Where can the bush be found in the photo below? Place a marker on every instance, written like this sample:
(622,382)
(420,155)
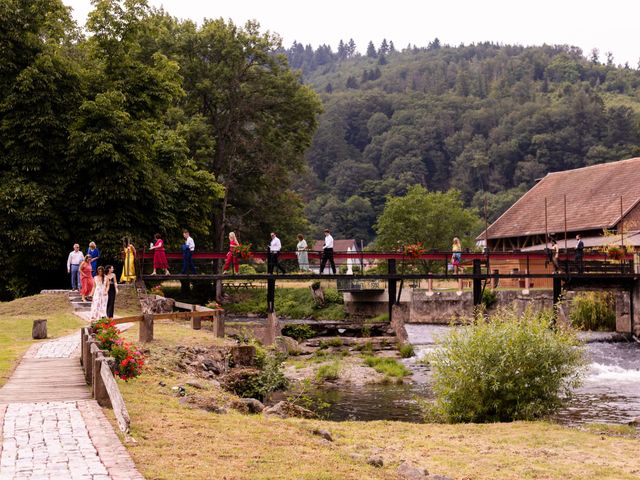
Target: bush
(593,311)
(245,269)
(406,350)
(299,332)
(258,382)
(508,368)
(332,342)
(388,366)
(328,372)
(489,298)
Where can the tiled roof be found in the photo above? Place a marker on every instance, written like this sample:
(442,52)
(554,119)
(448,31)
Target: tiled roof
(630,240)
(593,201)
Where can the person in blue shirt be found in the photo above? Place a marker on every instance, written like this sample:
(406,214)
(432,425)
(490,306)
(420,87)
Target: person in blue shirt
(95,255)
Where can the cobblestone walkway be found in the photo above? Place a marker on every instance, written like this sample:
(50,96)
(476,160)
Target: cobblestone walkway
(57,440)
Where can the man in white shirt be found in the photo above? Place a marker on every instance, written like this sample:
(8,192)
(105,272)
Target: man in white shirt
(187,253)
(274,252)
(74,260)
(327,252)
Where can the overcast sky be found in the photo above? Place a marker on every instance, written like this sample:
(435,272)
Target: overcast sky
(609,26)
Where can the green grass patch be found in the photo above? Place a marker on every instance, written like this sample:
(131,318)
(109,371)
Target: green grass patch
(290,302)
(387,366)
(16,321)
(328,372)
(406,350)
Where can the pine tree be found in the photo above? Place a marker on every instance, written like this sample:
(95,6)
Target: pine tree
(352,82)
(392,47)
(384,47)
(371,50)
(351,48)
(342,50)
(328,88)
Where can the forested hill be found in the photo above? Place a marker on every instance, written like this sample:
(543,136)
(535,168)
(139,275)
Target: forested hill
(485,119)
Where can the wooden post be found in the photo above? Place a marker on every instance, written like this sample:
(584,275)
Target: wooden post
(97,387)
(477,283)
(430,286)
(271,295)
(557,290)
(218,325)
(196,322)
(146,328)
(391,286)
(88,364)
(84,333)
(527,282)
(39,329)
(272,330)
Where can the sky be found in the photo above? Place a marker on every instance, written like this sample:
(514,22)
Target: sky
(608,26)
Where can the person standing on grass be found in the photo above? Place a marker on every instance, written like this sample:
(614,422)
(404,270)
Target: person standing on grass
(274,254)
(75,258)
(111,286)
(188,247)
(95,255)
(327,252)
(159,256)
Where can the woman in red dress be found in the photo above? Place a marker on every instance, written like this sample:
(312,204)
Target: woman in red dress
(231,255)
(159,257)
(86,279)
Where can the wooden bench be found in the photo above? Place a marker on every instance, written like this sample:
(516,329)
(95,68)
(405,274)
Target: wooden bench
(233,285)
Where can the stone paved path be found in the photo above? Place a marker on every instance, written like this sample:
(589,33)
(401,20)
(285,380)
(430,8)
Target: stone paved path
(50,427)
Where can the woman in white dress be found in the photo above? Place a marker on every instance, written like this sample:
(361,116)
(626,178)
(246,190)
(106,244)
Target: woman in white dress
(99,296)
(303,256)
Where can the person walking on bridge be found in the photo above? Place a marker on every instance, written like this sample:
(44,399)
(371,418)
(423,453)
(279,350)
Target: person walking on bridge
(232,256)
(579,254)
(327,252)
(188,248)
(274,254)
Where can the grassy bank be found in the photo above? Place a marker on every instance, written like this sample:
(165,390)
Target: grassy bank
(16,320)
(290,302)
(178,441)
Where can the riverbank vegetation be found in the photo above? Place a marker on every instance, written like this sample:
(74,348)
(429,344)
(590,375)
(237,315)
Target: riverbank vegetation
(16,321)
(295,303)
(177,438)
(511,367)
(593,311)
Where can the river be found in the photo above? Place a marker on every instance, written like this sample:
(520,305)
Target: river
(610,393)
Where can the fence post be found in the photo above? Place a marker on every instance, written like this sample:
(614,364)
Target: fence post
(477,282)
(218,325)
(196,322)
(146,328)
(87,363)
(391,263)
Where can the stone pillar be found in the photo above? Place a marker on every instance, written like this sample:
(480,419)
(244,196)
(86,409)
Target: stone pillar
(146,328)
(623,314)
(430,286)
(400,316)
(635,308)
(272,330)
(39,329)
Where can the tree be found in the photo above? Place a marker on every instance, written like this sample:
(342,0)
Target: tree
(432,218)
(384,48)
(371,50)
(259,113)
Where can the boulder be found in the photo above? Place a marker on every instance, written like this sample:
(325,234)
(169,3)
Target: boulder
(249,405)
(375,461)
(287,409)
(326,434)
(406,471)
(287,345)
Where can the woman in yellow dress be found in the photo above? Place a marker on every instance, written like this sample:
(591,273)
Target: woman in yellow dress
(129,268)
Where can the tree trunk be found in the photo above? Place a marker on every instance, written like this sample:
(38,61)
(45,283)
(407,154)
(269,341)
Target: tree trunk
(39,329)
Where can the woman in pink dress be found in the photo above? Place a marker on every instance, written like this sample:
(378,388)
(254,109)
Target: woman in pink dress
(231,255)
(86,279)
(159,257)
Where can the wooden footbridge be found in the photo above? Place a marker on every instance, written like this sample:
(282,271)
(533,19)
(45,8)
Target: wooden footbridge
(595,272)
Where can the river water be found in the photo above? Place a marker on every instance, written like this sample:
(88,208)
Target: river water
(610,393)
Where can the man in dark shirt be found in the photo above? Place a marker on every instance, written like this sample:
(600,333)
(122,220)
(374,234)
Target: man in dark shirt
(579,254)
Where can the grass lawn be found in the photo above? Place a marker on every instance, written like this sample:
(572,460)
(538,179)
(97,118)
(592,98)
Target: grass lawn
(178,441)
(16,320)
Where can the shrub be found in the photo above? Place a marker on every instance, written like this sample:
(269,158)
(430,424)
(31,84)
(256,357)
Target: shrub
(388,366)
(406,350)
(128,360)
(328,372)
(489,298)
(331,295)
(299,332)
(508,368)
(258,382)
(245,269)
(593,311)
(107,337)
(332,342)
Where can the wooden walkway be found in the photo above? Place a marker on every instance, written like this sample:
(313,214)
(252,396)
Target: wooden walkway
(46,380)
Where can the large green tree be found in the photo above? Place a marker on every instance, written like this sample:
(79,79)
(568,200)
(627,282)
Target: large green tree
(432,218)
